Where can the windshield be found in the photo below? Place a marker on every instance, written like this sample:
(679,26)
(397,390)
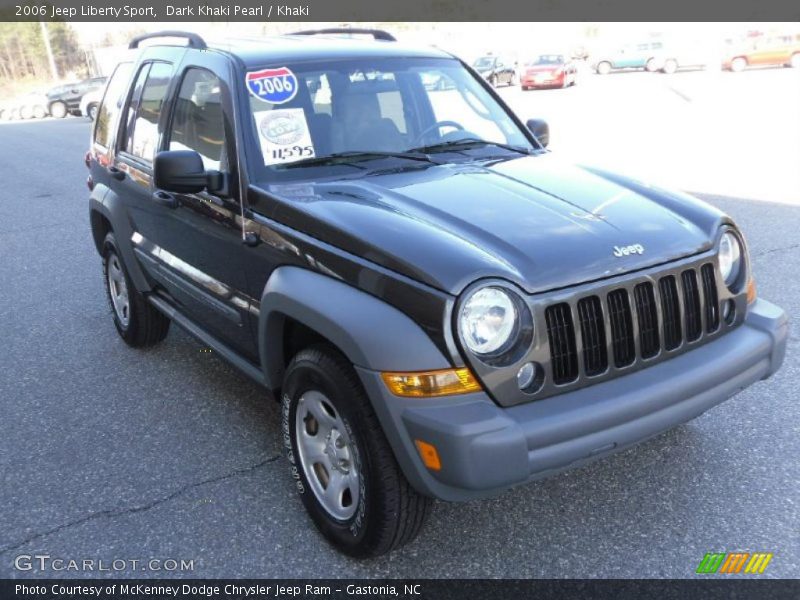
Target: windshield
(484,62)
(548,59)
(404,109)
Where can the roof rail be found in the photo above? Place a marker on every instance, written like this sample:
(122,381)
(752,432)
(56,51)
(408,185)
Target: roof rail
(378,34)
(195,41)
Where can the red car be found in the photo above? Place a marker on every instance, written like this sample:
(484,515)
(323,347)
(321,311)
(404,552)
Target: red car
(775,51)
(549,70)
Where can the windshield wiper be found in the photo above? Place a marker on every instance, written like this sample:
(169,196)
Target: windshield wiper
(352,156)
(451,144)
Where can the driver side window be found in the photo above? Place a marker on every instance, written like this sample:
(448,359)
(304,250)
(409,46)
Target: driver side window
(197,120)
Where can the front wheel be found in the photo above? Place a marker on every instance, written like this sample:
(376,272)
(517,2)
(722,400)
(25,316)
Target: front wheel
(670,67)
(604,68)
(342,465)
(139,324)
(651,66)
(58,110)
(738,64)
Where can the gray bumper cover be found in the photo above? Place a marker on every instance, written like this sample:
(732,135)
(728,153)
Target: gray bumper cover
(485,448)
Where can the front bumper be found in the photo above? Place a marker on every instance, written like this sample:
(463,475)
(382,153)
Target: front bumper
(542,81)
(485,448)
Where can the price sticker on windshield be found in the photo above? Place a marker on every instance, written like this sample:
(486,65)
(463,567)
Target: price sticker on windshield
(276,86)
(284,135)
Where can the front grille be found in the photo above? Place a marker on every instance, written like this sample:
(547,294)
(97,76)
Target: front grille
(563,353)
(627,323)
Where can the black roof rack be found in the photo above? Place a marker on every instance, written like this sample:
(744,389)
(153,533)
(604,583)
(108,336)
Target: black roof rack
(378,34)
(195,41)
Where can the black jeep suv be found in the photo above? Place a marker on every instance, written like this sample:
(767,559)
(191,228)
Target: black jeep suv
(443,308)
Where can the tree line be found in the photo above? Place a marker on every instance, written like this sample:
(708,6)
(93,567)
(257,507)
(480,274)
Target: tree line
(23,53)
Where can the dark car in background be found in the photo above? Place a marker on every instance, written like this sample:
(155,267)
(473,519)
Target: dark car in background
(496,70)
(548,70)
(66,99)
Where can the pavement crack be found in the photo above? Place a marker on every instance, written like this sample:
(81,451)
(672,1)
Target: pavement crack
(117,512)
(781,249)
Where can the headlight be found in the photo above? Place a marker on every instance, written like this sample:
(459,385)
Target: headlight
(730,258)
(488,320)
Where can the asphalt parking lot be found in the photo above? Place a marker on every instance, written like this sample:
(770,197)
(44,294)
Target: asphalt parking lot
(112,453)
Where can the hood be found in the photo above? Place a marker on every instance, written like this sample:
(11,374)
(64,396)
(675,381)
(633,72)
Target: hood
(533,220)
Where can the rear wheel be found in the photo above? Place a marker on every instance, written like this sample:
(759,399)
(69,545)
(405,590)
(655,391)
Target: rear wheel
(25,112)
(651,66)
(92,111)
(39,112)
(794,62)
(58,110)
(604,68)
(137,321)
(738,64)
(342,464)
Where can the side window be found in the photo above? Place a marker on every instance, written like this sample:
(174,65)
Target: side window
(197,120)
(111,105)
(145,109)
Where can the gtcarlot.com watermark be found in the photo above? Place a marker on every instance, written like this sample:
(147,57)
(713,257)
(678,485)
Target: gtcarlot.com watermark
(44,563)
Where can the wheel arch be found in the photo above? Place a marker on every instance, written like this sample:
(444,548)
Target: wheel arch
(369,332)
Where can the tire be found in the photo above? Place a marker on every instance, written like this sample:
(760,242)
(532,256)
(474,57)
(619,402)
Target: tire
(39,112)
(525,88)
(138,323)
(738,64)
(374,508)
(493,81)
(794,62)
(670,66)
(25,112)
(92,111)
(603,68)
(651,66)
(58,110)
(513,80)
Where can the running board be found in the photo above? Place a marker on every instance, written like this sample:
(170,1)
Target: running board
(198,332)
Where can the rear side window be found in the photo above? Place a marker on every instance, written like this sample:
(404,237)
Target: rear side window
(197,121)
(111,105)
(141,137)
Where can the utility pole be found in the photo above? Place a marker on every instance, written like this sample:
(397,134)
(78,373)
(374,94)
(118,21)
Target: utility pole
(49,50)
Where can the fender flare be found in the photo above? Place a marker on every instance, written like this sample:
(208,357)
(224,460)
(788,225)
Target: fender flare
(371,333)
(107,203)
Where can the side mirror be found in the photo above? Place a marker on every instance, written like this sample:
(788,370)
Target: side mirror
(540,129)
(180,171)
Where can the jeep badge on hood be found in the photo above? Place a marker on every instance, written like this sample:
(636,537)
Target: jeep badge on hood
(626,250)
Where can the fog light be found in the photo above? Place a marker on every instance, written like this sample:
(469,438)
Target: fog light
(525,375)
(729,311)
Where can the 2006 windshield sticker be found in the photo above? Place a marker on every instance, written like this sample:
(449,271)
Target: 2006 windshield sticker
(276,86)
(284,135)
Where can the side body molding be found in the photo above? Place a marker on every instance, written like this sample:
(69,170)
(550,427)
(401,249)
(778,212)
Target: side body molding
(371,333)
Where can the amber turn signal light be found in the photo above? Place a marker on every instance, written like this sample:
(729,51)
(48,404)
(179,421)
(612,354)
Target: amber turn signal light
(429,384)
(751,291)
(429,455)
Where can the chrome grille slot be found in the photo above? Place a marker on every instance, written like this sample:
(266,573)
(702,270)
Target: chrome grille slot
(691,303)
(619,313)
(710,297)
(561,334)
(647,315)
(671,310)
(593,332)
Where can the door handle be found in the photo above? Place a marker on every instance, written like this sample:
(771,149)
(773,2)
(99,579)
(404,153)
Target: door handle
(116,173)
(165,199)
